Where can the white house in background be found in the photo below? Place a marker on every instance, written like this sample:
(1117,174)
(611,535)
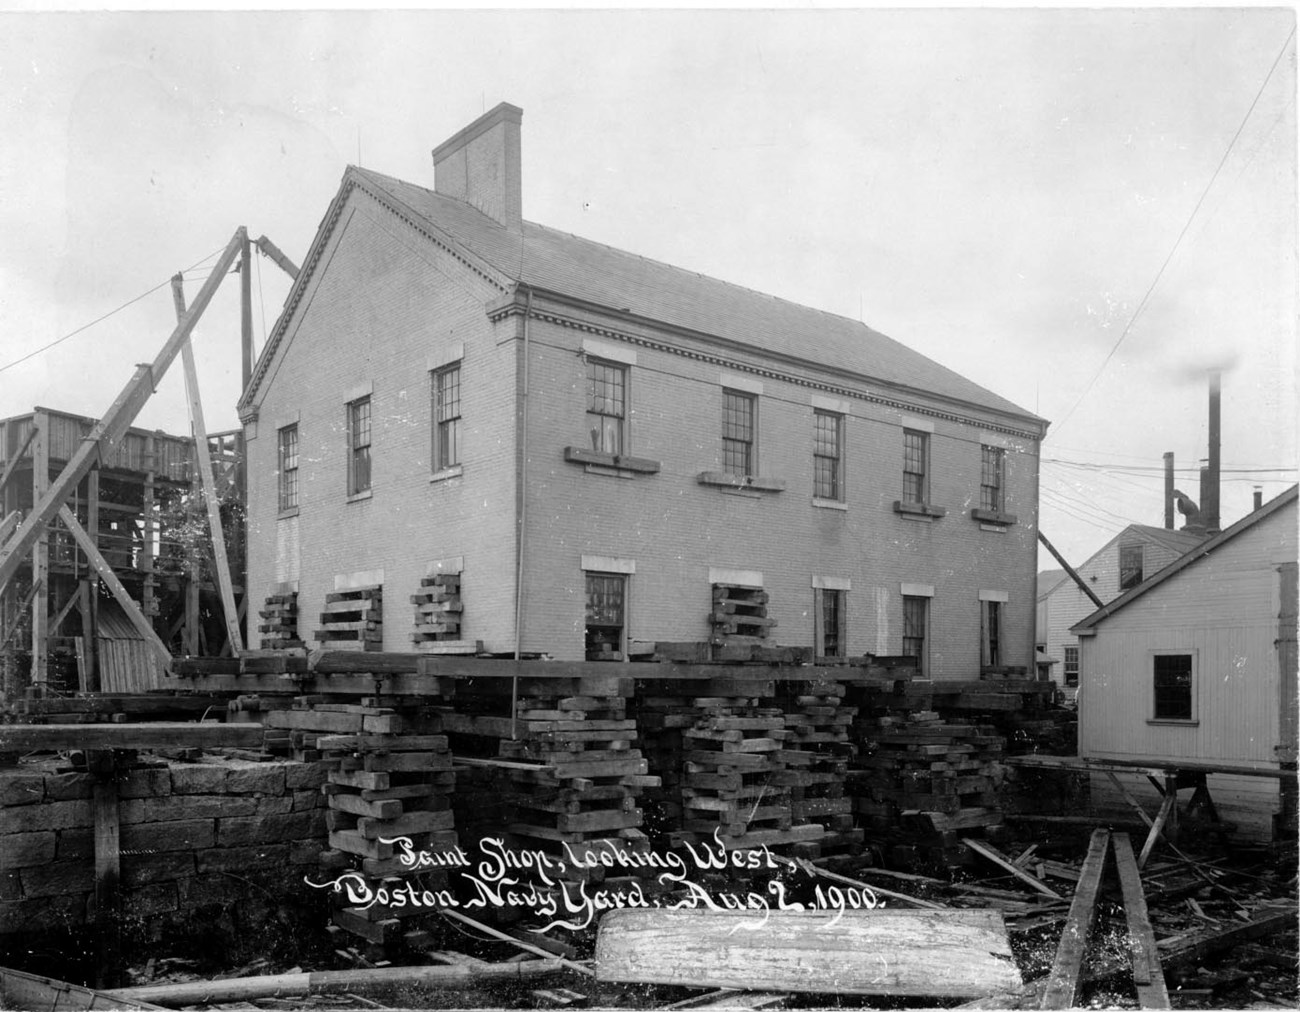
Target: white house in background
(1135,554)
(1198,662)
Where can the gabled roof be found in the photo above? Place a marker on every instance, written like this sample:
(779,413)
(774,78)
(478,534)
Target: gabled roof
(1208,547)
(556,262)
(1175,541)
(1049,580)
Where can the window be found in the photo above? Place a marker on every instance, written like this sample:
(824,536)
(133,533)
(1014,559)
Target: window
(916,446)
(359,446)
(993,461)
(606,405)
(606,614)
(915,619)
(1173,686)
(828,480)
(446,417)
(1130,566)
(830,615)
(991,634)
(1071,666)
(288,455)
(737,433)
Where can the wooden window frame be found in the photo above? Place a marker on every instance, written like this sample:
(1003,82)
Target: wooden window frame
(445,393)
(739,435)
(828,456)
(992,624)
(831,622)
(916,482)
(598,582)
(360,421)
(607,406)
(1134,576)
(922,655)
(1068,669)
(993,478)
(286,448)
(1153,665)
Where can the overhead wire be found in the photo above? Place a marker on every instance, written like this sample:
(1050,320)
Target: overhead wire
(1177,242)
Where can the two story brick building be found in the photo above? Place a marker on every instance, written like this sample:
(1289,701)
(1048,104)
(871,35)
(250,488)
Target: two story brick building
(561,448)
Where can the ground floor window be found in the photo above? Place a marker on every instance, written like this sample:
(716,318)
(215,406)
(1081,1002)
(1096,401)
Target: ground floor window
(606,616)
(1071,666)
(832,623)
(916,614)
(1172,677)
(991,634)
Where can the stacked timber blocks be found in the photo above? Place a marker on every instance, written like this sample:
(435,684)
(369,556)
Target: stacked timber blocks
(738,618)
(925,784)
(437,610)
(584,797)
(818,723)
(353,620)
(393,781)
(279,625)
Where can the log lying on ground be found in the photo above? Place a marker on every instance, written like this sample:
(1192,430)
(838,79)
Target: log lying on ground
(297,985)
(936,953)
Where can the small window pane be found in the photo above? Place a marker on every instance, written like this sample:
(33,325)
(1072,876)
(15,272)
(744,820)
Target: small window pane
(1173,686)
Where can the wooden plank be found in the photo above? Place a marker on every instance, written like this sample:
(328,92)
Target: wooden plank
(1166,807)
(1063,981)
(21,990)
(153,734)
(108,870)
(1147,975)
(939,953)
(986,850)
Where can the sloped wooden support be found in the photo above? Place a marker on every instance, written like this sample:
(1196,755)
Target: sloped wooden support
(939,953)
(1167,807)
(990,853)
(1063,981)
(105,571)
(18,615)
(1147,975)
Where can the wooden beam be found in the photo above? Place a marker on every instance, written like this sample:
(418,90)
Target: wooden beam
(14,457)
(68,605)
(108,870)
(934,953)
(23,990)
(109,430)
(1070,571)
(114,585)
(517,943)
(1063,981)
(831,876)
(1147,975)
(151,734)
(8,524)
(40,552)
(245,313)
(204,463)
(282,261)
(989,852)
(1166,806)
(18,615)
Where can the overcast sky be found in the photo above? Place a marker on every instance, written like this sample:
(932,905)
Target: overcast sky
(1000,190)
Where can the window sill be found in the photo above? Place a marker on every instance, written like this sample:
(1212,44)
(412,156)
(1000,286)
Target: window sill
(1172,722)
(616,461)
(361,496)
(455,471)
(918,509)
(744,482)
(292,511)
(830,504)
(993,517)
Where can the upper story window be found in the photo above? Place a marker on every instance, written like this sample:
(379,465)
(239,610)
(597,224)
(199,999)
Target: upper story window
(828,457)
(738,412)
(287,452)
(993,466)
(446,417)
(1172,684)
(1130,566)
(916,453)
(606,405)
(359,446)
(1071,666)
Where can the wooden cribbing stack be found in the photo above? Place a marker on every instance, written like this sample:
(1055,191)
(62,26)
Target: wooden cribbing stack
(739,620)
(391,777)
(818,724)
(279,625)
(926,783)
(353,619)
(438,611)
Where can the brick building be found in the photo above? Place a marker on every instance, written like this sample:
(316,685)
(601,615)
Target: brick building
(574,446)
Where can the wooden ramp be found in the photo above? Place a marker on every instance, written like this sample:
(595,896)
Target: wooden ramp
(935,953)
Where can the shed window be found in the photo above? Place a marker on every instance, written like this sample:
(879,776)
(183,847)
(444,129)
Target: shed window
(1130,566)
(1072,666)
(1173,686)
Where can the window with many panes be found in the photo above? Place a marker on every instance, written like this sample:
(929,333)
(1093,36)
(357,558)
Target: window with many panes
(991,634)
(916,449)
(606,616)
(1130,566)
(993,463)
(446,417)
(916,617)
(737,432)
(1071,666)
(606,405)
(828,476)
(288,458)
(359,446)
(1172,683)
(832,621)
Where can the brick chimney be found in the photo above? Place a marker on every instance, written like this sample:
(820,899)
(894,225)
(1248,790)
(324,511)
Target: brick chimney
(481,165)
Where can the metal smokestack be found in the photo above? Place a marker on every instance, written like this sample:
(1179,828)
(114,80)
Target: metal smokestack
(1169,491)
(1210,494)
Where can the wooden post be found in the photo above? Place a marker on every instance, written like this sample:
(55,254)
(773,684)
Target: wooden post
(148,604)
(115,586)
(204,463)
(1063,981)
(1147,975)
(245,313)
(90,619)
(108,900)
(40,552)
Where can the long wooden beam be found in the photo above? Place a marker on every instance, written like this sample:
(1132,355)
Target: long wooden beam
(1063,981)
(150,734)
(274,252)
(204,461)
(105,571)
(1147,975)
(1070,571)
(109,430)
